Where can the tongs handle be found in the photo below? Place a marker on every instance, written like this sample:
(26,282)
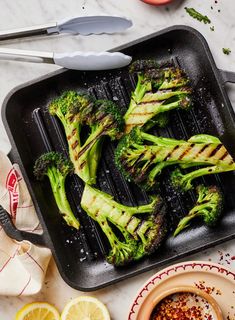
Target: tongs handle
(26,55)
(26,31)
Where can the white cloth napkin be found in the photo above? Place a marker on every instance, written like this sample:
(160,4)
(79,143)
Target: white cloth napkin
(22,264)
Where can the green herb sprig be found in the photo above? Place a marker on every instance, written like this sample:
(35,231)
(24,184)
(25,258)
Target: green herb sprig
(226,51)
(197,15)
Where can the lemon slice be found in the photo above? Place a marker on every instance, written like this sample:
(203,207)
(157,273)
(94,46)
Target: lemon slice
(85,308)
(38,311)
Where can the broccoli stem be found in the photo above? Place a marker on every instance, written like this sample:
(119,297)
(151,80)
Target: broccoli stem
(197,211)
(147,208)
(162,95)
(117,213)
(161,141)
(208,206)
(173,84)
(138,94)
(94,159)
(121,252)
(156,171)
(186,179)
(72,132)
(58,187)
(87,159)
(190,165)
(204,138)
(144,112)
(113,239)
(184,223)
(140,236)
(141,89)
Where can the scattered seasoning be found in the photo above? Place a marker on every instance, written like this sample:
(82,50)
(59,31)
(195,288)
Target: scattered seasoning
(226,51)
(212,28)
(202,286)
(197,15)
(182,306)
(225,258)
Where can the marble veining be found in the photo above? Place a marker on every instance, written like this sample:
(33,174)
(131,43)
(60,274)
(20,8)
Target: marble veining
(147,19)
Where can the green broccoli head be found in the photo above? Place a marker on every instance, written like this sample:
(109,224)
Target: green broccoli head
(122,252)
(141,228)
(52,160)
(209,207)
(141,157)
(56,167)
(128,155)
(210,204)
(159,89)
(108,116)
(77,112)
(70,104)
(152,232)
(143,65)
(174,78)
(180,181)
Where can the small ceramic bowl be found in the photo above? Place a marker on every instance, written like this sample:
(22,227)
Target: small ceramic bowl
(148,306)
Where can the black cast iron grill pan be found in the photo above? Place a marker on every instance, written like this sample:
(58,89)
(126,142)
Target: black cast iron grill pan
(79,255)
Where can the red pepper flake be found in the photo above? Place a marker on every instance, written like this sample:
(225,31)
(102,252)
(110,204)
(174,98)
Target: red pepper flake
(177,307)
(233,258)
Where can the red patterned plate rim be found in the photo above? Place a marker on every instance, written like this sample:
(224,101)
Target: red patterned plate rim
(182,267)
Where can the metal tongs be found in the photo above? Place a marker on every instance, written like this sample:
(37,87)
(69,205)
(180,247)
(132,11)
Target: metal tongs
(77,60)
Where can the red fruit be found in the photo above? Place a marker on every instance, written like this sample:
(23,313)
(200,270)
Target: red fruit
(157,2)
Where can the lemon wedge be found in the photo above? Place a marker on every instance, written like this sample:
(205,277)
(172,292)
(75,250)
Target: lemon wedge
(85,308)
(38,311)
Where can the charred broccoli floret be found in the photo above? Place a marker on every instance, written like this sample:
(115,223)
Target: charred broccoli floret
(103,119)
(159,89)
(141,157)
(209,207)
(57,168)
(142,228)
(212,156)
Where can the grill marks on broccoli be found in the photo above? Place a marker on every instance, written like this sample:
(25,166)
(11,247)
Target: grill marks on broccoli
(134,232)
(159,89)
(204,152)
(143,228)
(76,110)
(141,157)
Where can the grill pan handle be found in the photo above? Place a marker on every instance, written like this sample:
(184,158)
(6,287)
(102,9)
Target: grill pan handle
(14,233)
(227,76)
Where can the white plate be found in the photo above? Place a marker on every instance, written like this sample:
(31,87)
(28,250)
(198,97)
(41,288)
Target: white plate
(218,280)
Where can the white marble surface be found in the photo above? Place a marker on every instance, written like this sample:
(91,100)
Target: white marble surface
(147,19)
